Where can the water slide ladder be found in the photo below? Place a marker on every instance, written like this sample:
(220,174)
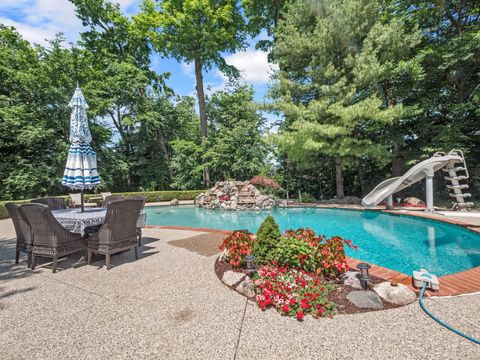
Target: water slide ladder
(454,179)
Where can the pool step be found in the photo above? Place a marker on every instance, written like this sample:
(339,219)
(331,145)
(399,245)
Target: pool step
(458,178)
(464,186)
(458,168)
(464,195)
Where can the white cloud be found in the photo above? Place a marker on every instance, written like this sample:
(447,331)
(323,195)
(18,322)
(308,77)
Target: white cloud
(253,65)
(38,20)
(188,69)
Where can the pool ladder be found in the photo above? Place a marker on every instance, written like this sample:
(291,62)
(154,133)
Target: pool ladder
(454,178)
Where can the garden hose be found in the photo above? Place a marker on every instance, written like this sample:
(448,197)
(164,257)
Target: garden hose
(422,305)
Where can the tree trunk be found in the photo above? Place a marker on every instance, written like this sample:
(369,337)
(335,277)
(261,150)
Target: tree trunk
(339,177)
(397,162)
(361,180)
(166,156)
(203,114)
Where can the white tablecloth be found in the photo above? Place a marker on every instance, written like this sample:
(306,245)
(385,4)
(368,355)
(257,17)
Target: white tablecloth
(76,221)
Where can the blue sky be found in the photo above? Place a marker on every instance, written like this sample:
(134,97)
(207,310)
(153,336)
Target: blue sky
(38,20)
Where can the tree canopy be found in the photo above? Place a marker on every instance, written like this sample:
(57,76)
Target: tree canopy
(364,89)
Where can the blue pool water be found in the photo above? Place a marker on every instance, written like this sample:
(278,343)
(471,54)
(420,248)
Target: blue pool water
(402,243)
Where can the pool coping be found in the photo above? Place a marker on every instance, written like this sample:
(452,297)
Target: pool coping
(461,283)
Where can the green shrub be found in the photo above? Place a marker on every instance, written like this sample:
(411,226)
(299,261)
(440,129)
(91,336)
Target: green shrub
(307,198)
(295,252)
(268,236)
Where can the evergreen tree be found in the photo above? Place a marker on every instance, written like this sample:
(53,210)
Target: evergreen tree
(334,85)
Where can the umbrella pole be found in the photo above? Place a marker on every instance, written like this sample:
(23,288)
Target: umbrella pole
(83,208)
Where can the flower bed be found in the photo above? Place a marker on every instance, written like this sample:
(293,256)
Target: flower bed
(300,273)
(293,292)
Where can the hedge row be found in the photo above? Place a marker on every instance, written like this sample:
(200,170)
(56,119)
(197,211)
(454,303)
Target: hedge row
(152,196)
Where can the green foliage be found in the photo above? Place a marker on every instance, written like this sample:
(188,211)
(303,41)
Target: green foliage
(268,236)
(186,164)
(334,86)
(295,252)
(198,31)
(236,148)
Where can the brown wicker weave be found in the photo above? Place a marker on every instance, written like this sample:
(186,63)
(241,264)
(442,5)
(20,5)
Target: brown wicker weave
(50,238)
(118,232)
(111,198)
(139,230)
(22,229)
(52,203)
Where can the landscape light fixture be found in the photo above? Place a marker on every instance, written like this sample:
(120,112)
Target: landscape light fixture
(364,275)
(251,269)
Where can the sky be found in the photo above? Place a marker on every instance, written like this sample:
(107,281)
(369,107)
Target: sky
(40,20)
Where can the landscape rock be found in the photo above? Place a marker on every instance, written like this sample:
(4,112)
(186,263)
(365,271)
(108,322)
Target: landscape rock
(351,279)
(399,295)
(365,299)
(230,277)
(413,200)
(236,195)
(246,288)
(174,202)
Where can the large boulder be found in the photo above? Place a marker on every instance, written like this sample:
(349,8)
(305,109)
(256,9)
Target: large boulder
(231,278)
(365,299)
(246,287)
(414,201)
(398,294)
(351,279)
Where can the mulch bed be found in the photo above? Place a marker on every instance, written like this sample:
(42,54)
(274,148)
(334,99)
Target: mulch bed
(338,296)
(203,244)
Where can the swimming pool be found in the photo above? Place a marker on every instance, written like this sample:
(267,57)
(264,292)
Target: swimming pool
(402,243)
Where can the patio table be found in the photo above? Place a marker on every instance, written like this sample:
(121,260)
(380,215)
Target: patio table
(77,221)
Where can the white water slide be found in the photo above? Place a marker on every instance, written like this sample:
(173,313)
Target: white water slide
(425,169)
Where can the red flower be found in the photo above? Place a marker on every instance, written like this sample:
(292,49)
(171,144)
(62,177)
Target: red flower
(293,301)
(285,309)
(300,315)
(320,309)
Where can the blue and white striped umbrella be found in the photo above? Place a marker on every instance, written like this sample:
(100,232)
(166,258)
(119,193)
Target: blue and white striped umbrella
(81,168)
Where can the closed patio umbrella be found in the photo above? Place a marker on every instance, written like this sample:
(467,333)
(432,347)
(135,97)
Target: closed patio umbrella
(81,168)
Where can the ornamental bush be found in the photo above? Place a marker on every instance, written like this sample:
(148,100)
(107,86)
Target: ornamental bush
(303,249)
(295,252)
(268,236)
(238,245)
(293,292)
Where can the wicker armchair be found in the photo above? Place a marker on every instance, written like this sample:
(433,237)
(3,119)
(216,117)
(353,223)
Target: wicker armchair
(118,232)
(111,198)
(139,229)
(22,230)
(77,201)
(52,203)
(105,194)
(50,238)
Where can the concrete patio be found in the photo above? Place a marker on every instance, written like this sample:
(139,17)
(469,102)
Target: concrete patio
(169,304)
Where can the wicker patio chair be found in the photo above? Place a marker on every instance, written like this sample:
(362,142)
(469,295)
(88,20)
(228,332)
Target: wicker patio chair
(77,201)
(139,229)
(52,203)
(50,238)
(105,194)
(118,232)
(22,230)
(111,198)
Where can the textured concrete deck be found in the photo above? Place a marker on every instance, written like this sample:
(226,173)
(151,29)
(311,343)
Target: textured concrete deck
(169,304)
